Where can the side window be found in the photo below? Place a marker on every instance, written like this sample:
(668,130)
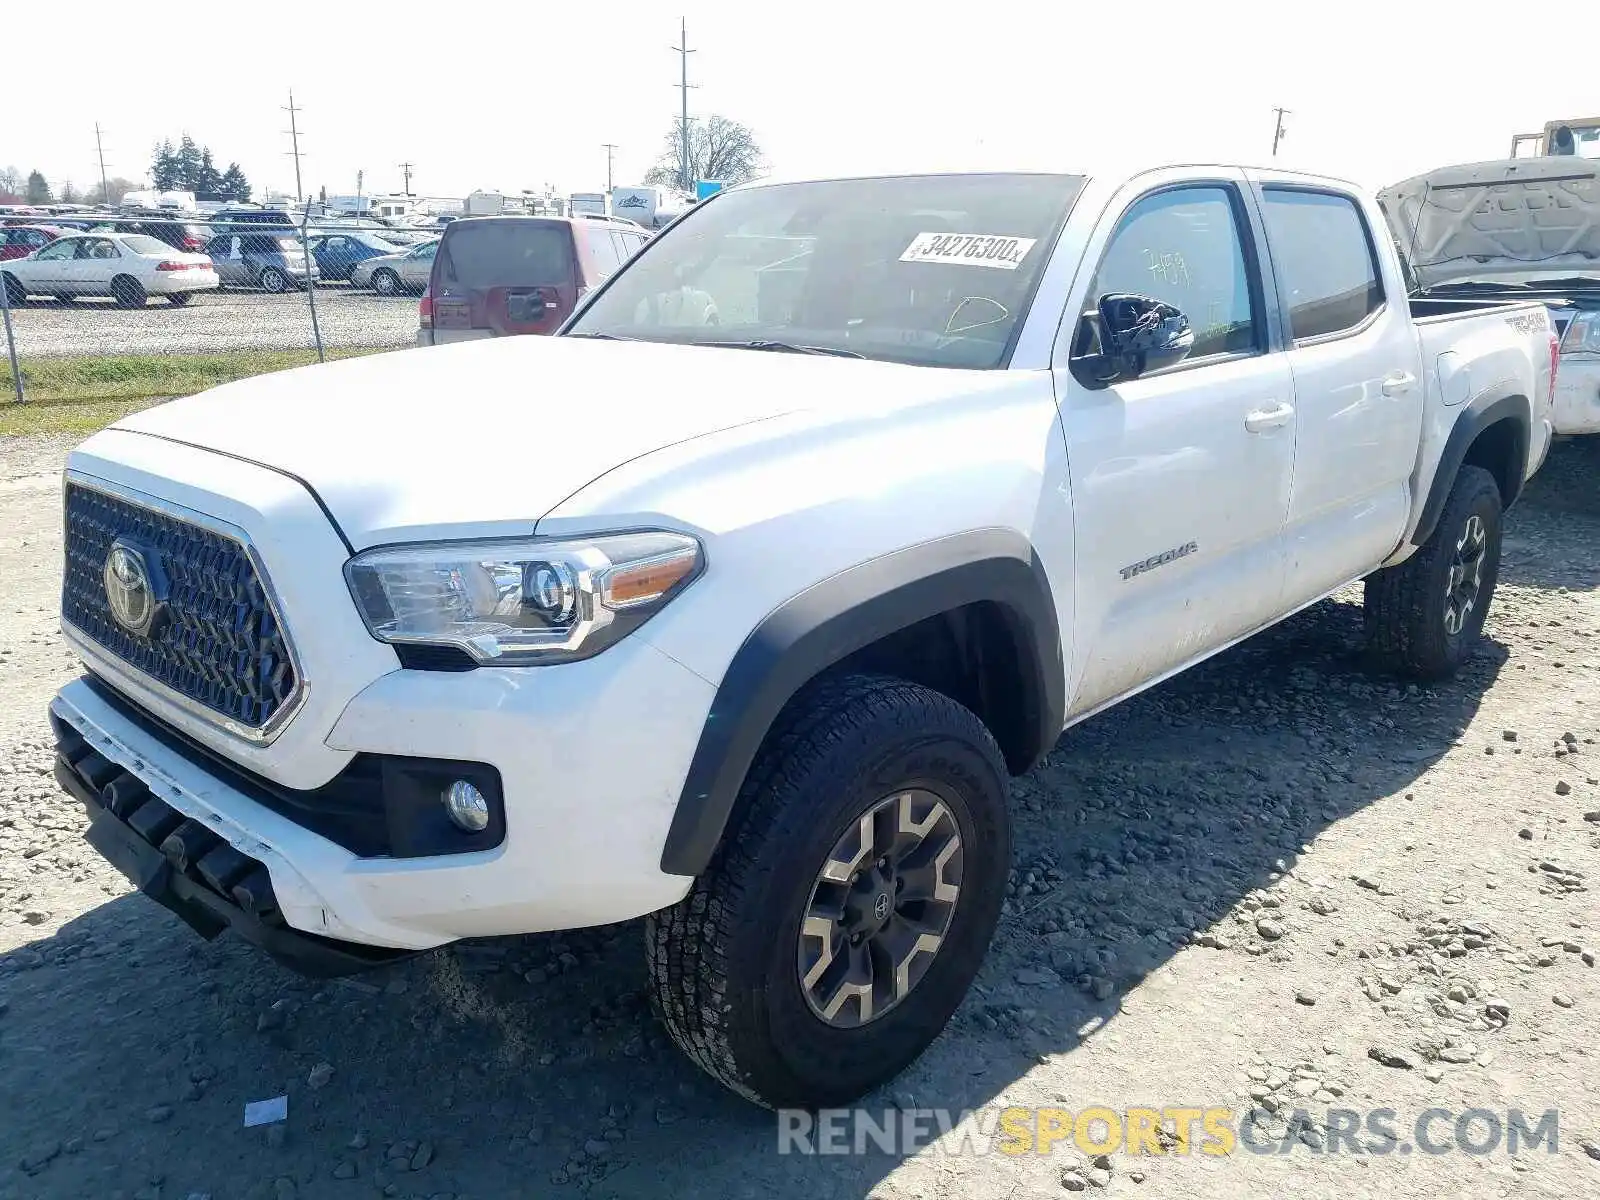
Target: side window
(1182,246)
(1323,251)
(603,250)
(65,248)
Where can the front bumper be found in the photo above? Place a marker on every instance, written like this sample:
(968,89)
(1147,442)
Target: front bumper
(188,870)
(591,756)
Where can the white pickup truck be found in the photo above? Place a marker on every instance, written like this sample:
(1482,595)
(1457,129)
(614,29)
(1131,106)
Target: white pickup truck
(742,627)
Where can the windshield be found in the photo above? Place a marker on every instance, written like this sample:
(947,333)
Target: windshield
(935,270)
(140,244)
(486,254)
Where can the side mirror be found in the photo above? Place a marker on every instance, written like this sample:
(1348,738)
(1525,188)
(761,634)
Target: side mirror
(1137,335)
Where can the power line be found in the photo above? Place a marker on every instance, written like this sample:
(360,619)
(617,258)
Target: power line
(610,149)
(1277,132)
(683,87)
(406,168)
(294,134)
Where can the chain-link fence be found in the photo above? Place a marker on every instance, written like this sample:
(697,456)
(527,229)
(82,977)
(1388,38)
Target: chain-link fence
(103,292)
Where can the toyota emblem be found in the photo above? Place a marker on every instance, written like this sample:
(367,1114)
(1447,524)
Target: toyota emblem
(130,591)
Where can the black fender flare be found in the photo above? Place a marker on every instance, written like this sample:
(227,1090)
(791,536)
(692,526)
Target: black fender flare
(1475,418)
(842,614)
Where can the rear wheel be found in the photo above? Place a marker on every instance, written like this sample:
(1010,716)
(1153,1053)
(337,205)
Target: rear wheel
(385,282)
(16,294)
(1426,614)
(272,280)
(851,903)
(128,292)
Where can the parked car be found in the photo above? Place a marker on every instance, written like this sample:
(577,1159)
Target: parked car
(403,271)
(234,219)
(968,459)
(19,241)
(1524,229)
(189,236)
(518,275)
(338,254)
(271,260)
(127,266)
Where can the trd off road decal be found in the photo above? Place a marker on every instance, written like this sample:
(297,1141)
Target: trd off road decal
(969,250)
(1159,560)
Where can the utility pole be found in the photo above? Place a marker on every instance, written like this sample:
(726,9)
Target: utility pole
(294,134)
(359,177)
(406,167)
(1277,132)
(610,148)
(683,87)
(105,188)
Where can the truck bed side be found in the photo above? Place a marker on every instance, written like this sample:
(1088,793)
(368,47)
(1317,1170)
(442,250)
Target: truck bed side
(1484,364)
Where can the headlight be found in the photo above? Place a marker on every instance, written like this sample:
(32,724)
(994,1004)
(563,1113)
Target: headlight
(513,603)
(1583,335)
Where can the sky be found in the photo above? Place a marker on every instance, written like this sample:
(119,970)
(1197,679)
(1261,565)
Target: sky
(503,97)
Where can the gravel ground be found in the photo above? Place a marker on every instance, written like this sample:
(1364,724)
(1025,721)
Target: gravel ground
(1279,879)
(215,321)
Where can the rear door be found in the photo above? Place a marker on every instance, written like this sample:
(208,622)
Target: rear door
(515,276)
(1358,392)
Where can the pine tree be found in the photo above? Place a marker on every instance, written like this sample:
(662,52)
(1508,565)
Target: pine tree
(38,189)
(164,168)
(207,179)
(234,185)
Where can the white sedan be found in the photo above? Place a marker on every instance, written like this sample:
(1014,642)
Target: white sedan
(129,267)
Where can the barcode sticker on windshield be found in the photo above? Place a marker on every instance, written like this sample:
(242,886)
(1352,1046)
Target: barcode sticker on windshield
(969,249)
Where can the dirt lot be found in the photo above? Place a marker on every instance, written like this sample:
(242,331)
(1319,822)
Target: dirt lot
(1280,879)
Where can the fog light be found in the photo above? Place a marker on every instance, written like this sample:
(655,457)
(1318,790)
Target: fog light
(466,806)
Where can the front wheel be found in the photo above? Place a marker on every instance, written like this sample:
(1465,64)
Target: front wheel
(386,283)
(851,903)
(273,280)
(1426,614)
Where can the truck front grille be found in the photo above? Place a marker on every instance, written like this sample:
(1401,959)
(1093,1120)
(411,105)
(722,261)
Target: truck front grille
(215,639)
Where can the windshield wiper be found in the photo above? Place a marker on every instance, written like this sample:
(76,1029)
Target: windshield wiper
(783,348)
(601,337)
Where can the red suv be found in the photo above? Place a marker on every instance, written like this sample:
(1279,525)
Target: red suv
(19,241)
(494,276)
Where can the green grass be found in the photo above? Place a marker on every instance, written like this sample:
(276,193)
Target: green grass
(80,395)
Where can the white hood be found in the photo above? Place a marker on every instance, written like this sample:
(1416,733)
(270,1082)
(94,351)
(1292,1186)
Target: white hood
(486,437)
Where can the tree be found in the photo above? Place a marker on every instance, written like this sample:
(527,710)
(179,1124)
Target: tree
(191,167)
(69,194)
(234,184)
(38,189)
(719,148)
(164,168)
(112,193)
(10,180)
(207,178)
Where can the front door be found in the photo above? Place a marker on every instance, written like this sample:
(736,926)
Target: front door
(1180,479)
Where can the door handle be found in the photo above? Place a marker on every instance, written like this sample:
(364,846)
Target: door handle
(1398,382)
(1263,419)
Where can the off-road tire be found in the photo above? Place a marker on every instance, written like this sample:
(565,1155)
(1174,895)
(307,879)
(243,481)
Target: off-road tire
(723,961)
(1404,609)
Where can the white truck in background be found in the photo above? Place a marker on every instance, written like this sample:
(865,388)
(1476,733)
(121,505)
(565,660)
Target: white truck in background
(964,460)
(1515,229)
